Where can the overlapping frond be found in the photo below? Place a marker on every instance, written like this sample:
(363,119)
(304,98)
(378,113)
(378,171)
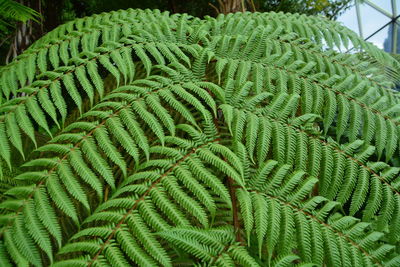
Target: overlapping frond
(82,153)
(349,105)
(47,97)
(83,37)
(313,28)
(346,173)
(311,226)
(170,190)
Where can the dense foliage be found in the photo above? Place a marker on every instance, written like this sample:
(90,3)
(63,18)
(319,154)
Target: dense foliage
(24,21)
(139,138)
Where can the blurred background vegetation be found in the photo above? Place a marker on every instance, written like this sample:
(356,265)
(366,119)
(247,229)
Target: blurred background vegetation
(24,21)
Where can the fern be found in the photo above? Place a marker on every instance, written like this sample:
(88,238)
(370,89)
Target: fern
(142,138)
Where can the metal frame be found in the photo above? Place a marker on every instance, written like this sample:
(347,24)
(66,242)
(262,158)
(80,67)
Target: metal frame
(393,16)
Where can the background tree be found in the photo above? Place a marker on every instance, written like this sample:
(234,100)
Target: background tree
(330,9)
(16,32)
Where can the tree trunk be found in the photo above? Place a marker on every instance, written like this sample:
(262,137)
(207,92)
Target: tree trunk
(229,6)
(25,33)
(172,6)
(52,14)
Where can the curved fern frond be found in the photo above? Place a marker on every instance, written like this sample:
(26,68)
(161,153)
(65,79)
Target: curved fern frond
(345,172)
(161,184)
(83,37)
(85,73)
(305,26)
(321,234)
(360,113)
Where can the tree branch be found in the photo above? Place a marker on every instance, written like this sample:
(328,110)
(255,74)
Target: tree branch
(235,216)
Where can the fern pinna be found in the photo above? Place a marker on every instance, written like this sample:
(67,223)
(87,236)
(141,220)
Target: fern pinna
(142,138)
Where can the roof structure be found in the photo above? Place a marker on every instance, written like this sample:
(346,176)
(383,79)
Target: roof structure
(390,24)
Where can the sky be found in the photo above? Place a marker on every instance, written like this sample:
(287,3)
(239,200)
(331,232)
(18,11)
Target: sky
(371,19)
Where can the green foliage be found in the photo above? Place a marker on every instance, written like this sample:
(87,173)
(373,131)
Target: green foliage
(142,138)
(200,8)
(329,8)
(12,12)
(10,9)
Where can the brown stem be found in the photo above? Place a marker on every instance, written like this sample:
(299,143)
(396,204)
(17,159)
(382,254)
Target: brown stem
(106,193)
(236,222)
(253,6)
(215,8)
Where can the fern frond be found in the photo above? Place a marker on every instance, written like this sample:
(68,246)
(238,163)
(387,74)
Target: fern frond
(341,102)
(320,233)
(136,137)
(157,189)
(71,161)
(341,170)
(87,36)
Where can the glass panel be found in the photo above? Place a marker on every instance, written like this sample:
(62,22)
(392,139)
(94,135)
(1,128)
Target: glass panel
(372,20)
(385,4)
(349,19)
(381,40)
(387,45)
